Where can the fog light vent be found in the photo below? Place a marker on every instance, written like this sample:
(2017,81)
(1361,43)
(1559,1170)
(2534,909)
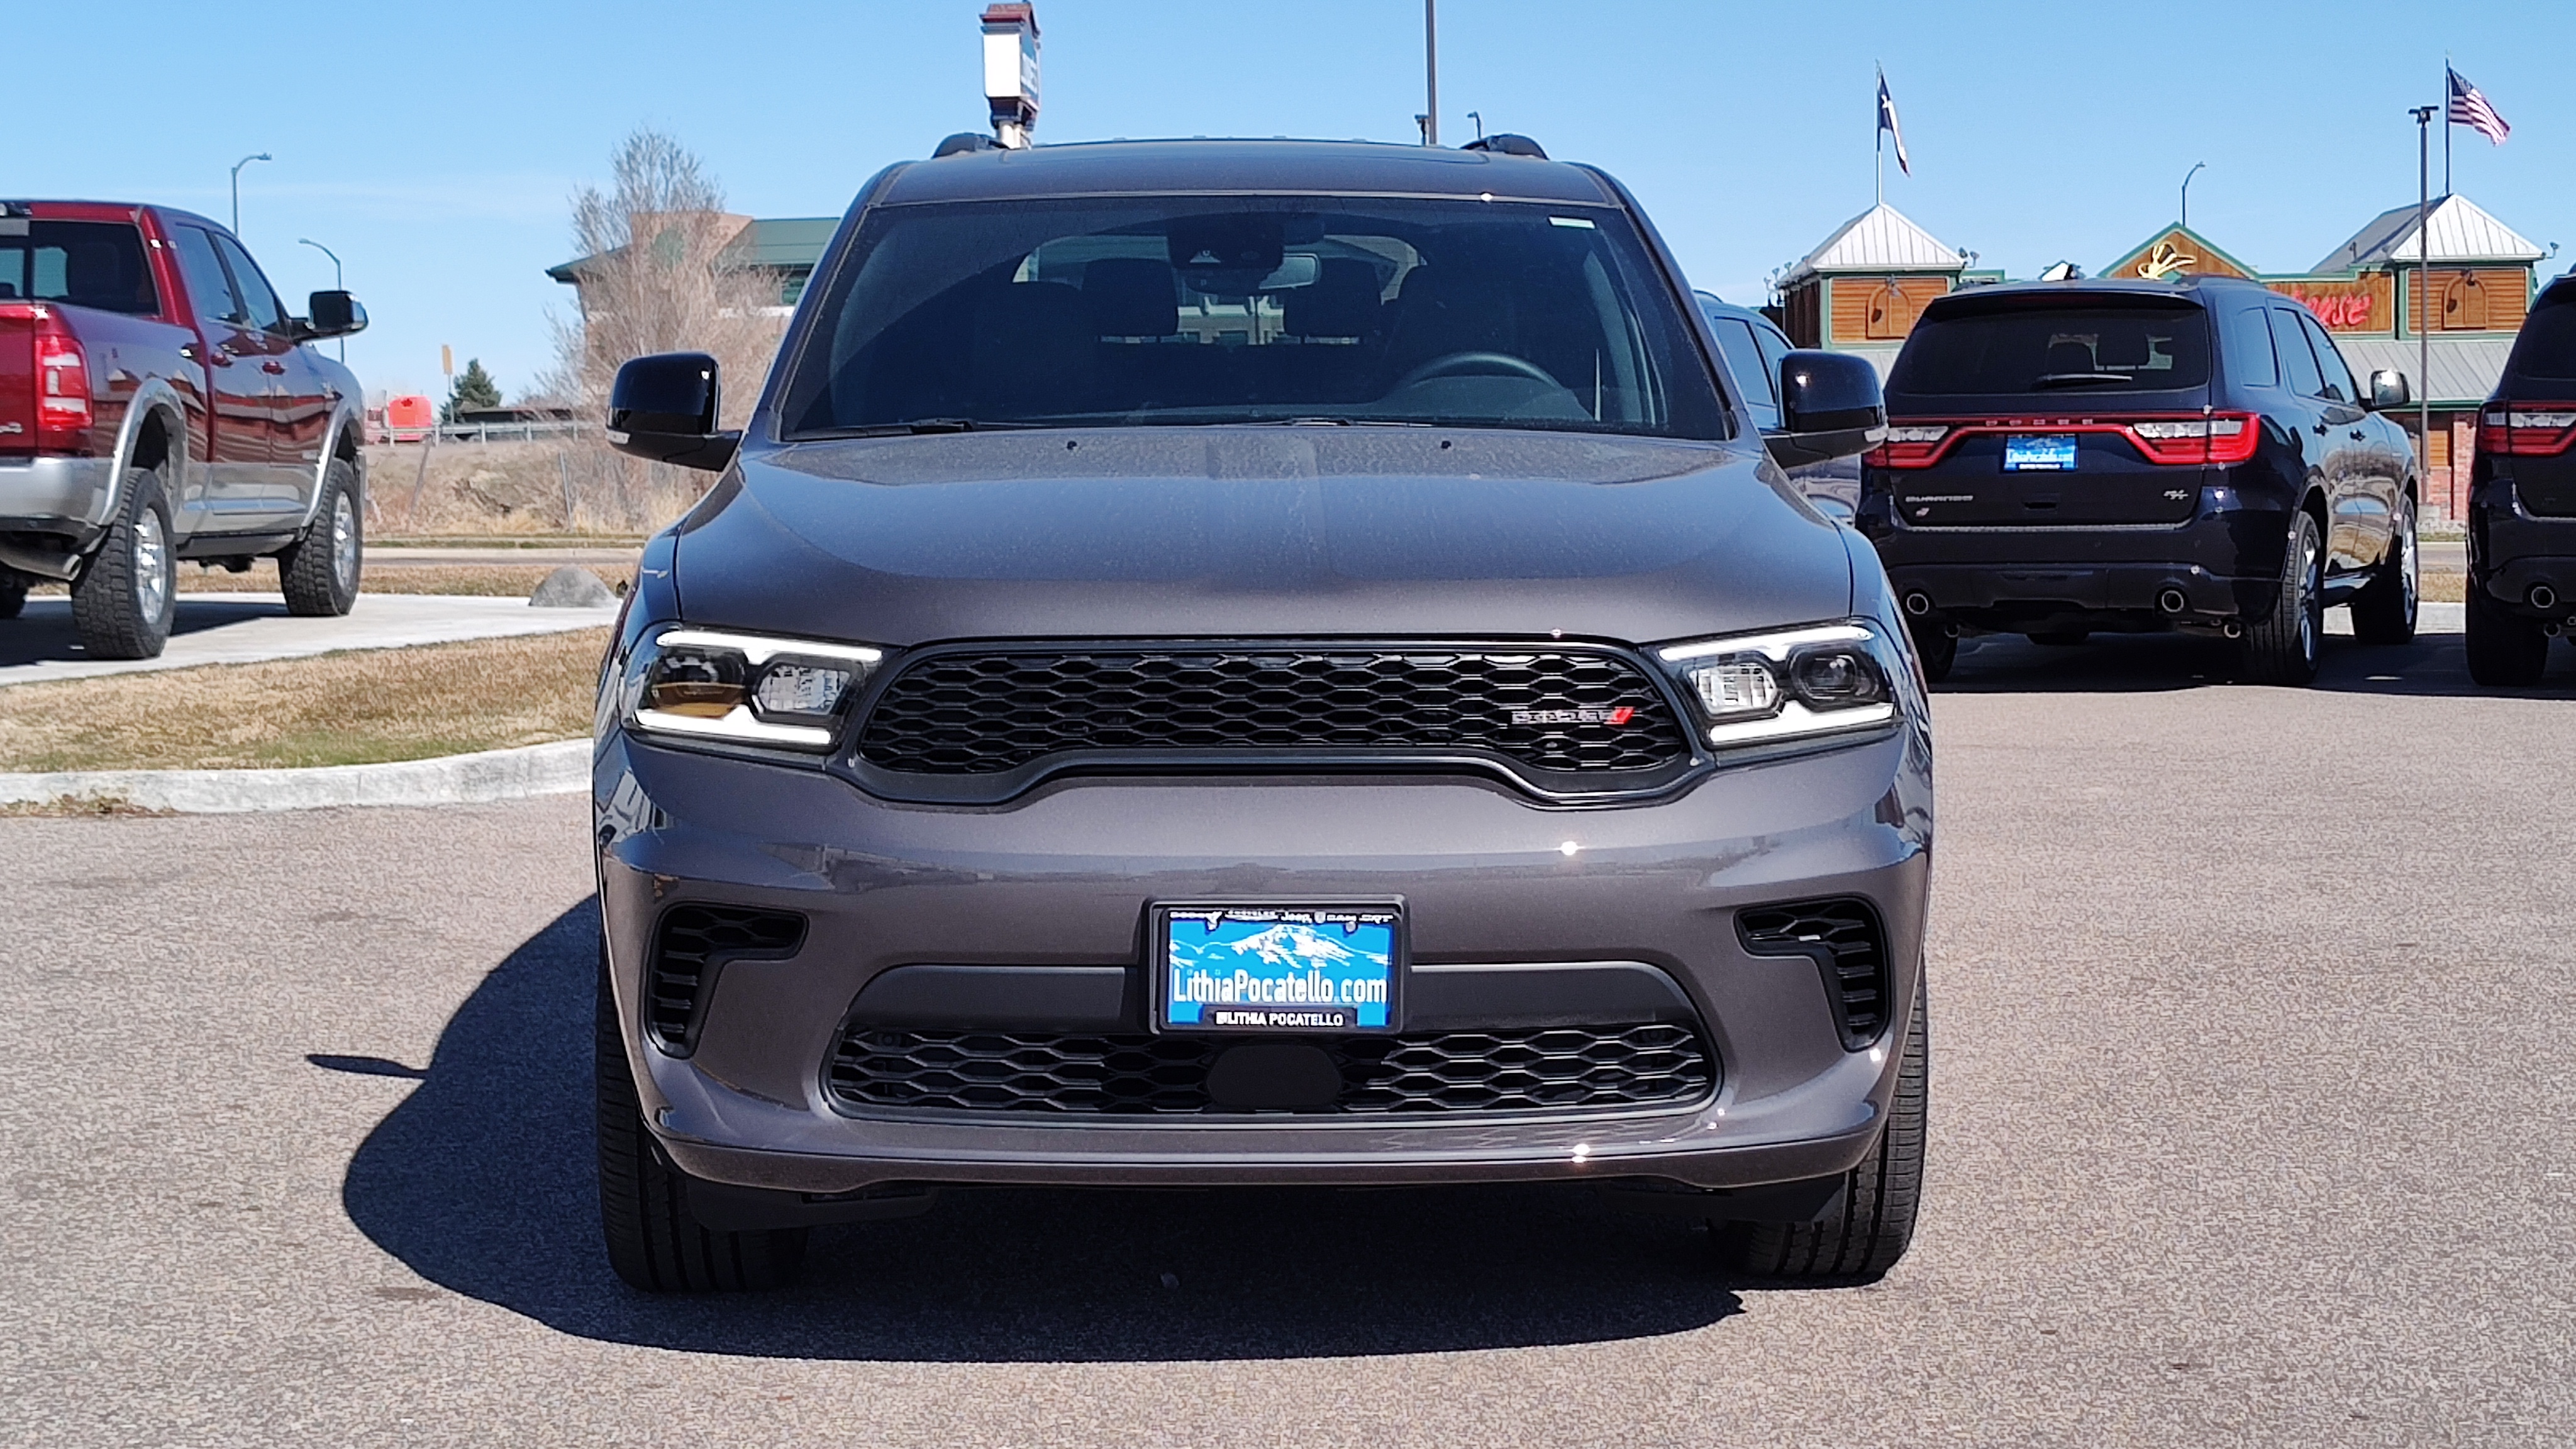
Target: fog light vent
(692,943)
(1843,937)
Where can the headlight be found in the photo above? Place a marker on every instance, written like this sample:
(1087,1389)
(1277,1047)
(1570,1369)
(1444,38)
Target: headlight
(744,688)
(1758,688)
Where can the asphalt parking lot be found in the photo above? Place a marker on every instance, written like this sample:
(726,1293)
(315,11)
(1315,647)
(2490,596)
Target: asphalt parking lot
(2247,1129)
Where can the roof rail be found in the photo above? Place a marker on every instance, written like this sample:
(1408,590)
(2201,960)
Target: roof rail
(1505,143)
(963,142)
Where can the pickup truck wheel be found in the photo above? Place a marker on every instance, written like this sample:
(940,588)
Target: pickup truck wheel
(2384,612)
(1874,1224)
(319,572)
(2506,650)
(123,603)
(653,1242)
(13,594)
(1937,647)
(2285,645)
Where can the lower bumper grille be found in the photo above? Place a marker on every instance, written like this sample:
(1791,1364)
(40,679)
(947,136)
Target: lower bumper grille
(1430,1074)
(690,945)
(1845,941)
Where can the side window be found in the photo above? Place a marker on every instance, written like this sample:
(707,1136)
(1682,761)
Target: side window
(210,292)
(1775,350)
(2250,359)
(2330,361)
(2298,364)
(256,294)
(1744,359)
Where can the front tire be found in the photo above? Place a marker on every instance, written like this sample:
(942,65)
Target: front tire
(319,572)
(653,1241)
(1875,1223)
(2384,612)
(2286,645)
(2506,650)
(124,602)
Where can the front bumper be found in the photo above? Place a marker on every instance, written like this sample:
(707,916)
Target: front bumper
(1062,877)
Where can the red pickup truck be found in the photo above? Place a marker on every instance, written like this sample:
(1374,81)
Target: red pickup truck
(157,403)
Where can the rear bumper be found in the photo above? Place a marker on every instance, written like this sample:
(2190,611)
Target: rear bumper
(2512,551)
(2225,560)
(54,494)
(1063,878)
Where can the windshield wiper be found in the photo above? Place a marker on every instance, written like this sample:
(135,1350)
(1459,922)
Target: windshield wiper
(915,425)
(2079,379)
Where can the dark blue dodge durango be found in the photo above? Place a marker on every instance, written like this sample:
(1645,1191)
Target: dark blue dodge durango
(1256,663)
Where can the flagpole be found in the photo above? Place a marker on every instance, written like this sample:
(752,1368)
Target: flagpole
(1878,144)
(2446,123)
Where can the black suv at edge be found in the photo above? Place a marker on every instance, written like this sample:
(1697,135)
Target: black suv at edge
(2522,500)
(2066,457)
(1255,663)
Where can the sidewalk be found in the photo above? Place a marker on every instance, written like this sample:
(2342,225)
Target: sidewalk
(244,628)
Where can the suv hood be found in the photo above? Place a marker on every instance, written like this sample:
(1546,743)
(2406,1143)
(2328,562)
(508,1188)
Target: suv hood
(1242,532)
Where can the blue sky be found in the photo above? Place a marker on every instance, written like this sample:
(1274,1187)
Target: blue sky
(436,157)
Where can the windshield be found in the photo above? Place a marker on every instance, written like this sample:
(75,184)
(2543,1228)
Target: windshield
(1183,310)
(2063,350)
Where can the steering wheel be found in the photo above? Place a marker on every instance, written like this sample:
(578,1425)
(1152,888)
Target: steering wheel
(1455,363)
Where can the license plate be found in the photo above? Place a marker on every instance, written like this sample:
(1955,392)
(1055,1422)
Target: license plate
(1278,969)
(2052,454)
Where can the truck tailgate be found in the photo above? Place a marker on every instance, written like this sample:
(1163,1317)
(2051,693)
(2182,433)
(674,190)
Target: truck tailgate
(17,378)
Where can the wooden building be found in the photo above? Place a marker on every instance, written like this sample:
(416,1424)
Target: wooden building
(1864,287)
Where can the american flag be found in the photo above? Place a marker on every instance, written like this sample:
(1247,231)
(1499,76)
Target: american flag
(2470,109)
(1887,123)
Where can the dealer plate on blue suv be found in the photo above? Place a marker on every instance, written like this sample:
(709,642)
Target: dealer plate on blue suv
(1275,969)
(2054,453)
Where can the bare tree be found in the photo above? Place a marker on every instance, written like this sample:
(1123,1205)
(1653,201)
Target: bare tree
(658,275)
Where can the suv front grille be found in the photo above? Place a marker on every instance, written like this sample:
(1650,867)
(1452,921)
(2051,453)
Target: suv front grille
(1520,1069)
(691,943)
(1843,937)
(983,713)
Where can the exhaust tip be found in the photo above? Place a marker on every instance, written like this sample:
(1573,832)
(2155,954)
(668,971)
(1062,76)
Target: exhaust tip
(2541,596)
(2232,629)
(2172,601)
(1918,603)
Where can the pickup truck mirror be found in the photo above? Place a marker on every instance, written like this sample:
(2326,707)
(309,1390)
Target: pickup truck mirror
(333,314)
(2388,389)
(1830,408)
(663,407)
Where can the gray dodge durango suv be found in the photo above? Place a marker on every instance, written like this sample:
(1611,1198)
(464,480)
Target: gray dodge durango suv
(1256,663)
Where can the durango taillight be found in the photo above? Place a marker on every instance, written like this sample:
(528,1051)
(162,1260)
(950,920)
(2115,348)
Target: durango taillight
(2205,440)
(2527,430)
(62,384)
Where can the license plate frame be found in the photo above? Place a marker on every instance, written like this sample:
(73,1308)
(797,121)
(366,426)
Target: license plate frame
(2039,453)
(1181,1000)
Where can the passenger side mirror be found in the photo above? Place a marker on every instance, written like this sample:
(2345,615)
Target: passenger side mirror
(333,314)
(663,407)
(2388,389)
(1830,408)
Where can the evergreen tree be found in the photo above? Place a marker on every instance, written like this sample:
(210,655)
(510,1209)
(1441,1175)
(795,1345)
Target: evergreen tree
(474,389)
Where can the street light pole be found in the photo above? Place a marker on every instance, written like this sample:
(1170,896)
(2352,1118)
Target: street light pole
(2196,169)
(2423,275)
(1430,72)
(237,166)
(336,284)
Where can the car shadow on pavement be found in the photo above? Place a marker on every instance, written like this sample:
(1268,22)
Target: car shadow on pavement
(2435,664)
(481,1182)
(45,633)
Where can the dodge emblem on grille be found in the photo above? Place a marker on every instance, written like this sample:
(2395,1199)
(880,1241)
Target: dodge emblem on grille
(1619,716)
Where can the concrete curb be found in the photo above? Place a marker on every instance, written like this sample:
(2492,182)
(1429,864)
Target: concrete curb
(556,769)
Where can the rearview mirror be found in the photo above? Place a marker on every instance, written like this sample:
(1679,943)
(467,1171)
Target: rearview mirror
(2388,389)
(333,314)
(1830,408)
(663,407)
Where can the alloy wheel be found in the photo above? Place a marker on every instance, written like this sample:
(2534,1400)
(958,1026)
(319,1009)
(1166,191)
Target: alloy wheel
(344,541)
(152,565)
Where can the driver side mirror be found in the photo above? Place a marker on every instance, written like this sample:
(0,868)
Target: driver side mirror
(2388,389)
(663,408)
(1830,408)
(333,314)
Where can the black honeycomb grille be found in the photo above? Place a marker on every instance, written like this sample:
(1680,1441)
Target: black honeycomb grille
(1843,937)
(985,713)
(691,944)
(1417,1074)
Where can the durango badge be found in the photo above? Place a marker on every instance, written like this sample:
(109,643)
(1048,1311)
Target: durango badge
(1618,716)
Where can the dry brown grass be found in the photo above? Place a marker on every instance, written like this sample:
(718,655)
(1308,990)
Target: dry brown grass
(515,491)
(351,708)
(2442,588)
